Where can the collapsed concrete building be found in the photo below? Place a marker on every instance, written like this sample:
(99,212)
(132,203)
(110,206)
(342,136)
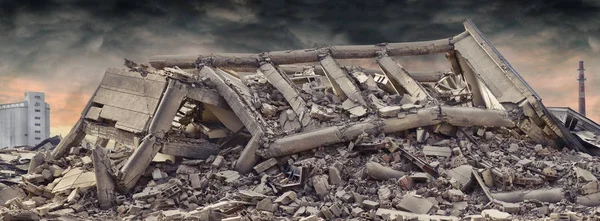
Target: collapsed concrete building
(298,118)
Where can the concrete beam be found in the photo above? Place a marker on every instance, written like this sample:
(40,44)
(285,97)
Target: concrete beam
(235,101)
(456,116)
(338,76)
(285,86)
(401,78)
(239,62)
(105,184)
(75,136)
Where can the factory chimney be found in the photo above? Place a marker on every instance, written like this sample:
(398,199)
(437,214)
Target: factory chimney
(581,89)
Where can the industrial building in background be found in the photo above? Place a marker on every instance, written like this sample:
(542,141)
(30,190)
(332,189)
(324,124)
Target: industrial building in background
(25,123)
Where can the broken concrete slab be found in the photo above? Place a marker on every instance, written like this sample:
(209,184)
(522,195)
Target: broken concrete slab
(415,204)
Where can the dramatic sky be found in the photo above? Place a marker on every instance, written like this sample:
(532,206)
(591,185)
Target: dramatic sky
(62,47)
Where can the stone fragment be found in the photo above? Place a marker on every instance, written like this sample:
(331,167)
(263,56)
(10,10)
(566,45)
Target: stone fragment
(496,215)
(422,135)
(415,204)
(369,205)
(513,148)
(589,188)
(218,161)
(261,167)
(157,174)
(195,181)
(266,205)
(356,211)
(228,176)
(384,193)
(454,195)
(462,174)
(86,160)
(585,175)
(268,110)
(335,177)
(437,151)
(321,185)
(512,208)
(286,198)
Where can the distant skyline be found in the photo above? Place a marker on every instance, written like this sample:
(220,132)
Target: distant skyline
(63,47)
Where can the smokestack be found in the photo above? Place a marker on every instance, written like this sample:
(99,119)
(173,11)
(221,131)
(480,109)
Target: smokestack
(581,89)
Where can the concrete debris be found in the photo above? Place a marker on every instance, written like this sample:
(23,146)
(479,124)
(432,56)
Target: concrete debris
(259,137)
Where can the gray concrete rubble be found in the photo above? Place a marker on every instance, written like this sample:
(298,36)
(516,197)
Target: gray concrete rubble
(310,135)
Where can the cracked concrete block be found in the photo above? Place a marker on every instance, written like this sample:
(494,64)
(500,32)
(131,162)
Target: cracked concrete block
(263,166)
(384,193)
(589,188)
(218,161)
(266,205)
(454,195)
(415,204)
(584,175)
(157,174)
(86,160)
(195,181)
(437,151)
(370,205)
(321,185)
(286,198)
(356,211)
(228,176)
(335,176)
(513,148)
(496,215)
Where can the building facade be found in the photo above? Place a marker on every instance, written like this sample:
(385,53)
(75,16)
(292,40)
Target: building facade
(25,123)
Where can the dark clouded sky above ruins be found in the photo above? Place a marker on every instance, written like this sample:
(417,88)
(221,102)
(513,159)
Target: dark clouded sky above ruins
(63,47)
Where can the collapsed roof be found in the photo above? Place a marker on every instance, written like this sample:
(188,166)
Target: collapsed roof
(313,101)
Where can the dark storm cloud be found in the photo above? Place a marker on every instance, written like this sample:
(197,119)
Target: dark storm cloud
(74,41)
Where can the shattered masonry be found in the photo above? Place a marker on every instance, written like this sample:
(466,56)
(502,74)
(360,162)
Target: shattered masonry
(295,135)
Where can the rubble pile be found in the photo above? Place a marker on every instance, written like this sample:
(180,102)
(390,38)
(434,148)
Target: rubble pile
(259,137)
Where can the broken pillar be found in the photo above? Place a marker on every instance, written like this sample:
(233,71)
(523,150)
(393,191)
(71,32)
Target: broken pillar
(338,76)
(105,185)
(248,157)
(457,116)
(545,195)
(400,77)
(160,125)
(380,172)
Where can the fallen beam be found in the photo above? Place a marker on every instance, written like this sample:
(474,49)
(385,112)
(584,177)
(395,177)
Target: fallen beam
(338,76)
(589,200)
(251,61)
(248,157)
(235,101)
(105,185)
(74,137)
(545,195)
(285,86)
(456,116)
(400,77)
(380,172)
